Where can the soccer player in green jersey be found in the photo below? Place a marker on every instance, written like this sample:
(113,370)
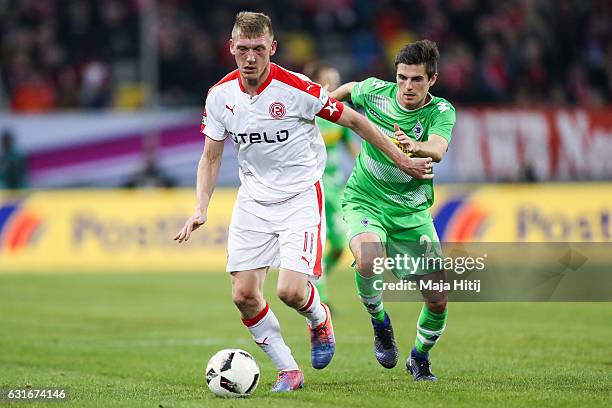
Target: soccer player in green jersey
(335,137)
(383,206)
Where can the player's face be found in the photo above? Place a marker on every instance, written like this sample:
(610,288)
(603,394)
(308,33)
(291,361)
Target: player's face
(413,85)
(252,55)
(329,77)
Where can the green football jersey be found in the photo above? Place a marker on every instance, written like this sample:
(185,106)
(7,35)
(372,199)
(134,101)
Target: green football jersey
(375,175)
(333,135)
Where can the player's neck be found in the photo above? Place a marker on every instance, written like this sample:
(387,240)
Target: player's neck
(251,86)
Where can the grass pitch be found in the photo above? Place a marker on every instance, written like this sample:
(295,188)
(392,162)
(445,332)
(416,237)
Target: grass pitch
(144,340)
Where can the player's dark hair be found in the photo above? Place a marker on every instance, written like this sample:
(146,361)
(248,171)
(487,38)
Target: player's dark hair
(251,24)
(421,52)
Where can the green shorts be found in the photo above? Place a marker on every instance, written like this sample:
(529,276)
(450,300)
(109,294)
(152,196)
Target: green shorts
(412,235)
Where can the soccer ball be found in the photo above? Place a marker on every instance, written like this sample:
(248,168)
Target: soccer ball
(232,373)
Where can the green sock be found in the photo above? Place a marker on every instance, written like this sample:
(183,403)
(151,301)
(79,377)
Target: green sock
(321,285)
(370,297)
(429,329)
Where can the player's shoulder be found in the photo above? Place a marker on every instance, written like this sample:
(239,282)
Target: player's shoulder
(373,85)
(295,80)
(442,105)
(224,82)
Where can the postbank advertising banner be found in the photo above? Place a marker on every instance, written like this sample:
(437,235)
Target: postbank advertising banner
(106,230)
(132,231)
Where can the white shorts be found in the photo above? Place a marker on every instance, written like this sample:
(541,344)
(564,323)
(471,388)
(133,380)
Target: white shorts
(290,234)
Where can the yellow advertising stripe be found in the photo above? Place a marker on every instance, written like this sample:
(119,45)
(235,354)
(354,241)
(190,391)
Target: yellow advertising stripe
(117,230)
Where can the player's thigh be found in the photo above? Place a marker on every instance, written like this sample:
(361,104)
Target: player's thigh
(362,218)
(366,234)
(420,243)
(251,243)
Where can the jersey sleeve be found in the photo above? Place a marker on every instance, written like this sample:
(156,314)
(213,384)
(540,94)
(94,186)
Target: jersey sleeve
(360,90)
(443,120)
(316,102)
(211,121)
(332,110)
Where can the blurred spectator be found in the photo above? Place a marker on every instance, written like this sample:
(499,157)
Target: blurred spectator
(150,176)
(526,173)
(495,73)
(13,165)
(59,54)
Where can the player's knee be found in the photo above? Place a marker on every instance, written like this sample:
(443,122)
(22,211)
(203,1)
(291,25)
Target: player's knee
(437,305)
(246,299)
(292,296)
(365,266)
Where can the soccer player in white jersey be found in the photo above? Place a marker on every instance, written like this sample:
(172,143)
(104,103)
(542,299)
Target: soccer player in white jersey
(278,218)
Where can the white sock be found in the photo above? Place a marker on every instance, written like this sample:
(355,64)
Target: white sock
(266,332)
(312,310)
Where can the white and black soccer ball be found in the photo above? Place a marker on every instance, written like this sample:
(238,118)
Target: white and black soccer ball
(232,373)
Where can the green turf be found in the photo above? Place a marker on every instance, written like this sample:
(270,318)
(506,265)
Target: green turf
(144,340)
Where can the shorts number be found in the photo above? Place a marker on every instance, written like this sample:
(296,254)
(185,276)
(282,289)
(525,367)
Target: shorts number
(306,235)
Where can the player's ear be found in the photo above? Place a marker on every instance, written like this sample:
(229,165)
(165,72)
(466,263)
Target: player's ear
(433,79)
(231,47)
(273,48)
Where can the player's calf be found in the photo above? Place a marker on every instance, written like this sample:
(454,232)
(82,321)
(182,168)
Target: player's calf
(265,330)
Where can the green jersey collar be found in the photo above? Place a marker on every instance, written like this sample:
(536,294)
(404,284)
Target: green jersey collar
(413,110)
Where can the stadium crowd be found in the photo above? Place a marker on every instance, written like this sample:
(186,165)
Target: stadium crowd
(66,54)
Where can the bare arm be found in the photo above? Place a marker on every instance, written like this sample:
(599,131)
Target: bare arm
(417,168)
(208,170)
(343,93)
(435,147)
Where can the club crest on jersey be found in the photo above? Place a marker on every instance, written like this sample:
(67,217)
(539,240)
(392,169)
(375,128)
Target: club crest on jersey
(365,222)
(417,130)
(277,110)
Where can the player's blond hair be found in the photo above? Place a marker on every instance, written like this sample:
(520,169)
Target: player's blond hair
(252,24)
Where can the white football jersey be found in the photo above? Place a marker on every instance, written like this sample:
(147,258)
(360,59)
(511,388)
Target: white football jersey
(280,150)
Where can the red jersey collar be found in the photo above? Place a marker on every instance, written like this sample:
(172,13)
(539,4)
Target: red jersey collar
(265,84)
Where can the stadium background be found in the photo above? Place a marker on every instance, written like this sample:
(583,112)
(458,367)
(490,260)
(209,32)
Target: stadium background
(103,100)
